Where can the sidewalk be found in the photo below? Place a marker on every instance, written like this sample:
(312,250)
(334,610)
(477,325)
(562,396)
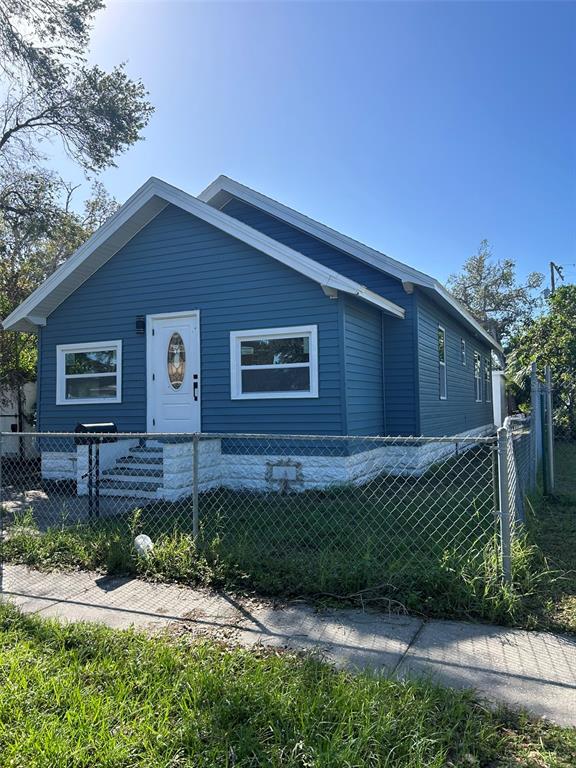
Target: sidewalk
(533,670)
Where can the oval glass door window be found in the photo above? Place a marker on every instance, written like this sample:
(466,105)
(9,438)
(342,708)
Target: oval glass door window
(176,361)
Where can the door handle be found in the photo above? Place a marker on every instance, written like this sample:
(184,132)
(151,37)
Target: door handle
(195,387)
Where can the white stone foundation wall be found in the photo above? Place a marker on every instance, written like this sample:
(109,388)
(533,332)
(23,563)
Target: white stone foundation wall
(298,473)
(177,463)
(408,460)
(255,472)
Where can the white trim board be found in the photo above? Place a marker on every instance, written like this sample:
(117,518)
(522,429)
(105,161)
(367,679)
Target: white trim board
(144,205)
(236,337)
(61,377)
(442,366)
(220,191)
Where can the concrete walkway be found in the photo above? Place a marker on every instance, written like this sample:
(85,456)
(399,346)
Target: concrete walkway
(534,670)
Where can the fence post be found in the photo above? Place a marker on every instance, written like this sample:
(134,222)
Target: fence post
(195,500)
(549,429)
(534,425)
(544,442)
(503,493)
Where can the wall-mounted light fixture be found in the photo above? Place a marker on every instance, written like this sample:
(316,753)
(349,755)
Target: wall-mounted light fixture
(140,325)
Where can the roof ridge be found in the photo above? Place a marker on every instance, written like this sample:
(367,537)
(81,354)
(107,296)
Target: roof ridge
(407,274)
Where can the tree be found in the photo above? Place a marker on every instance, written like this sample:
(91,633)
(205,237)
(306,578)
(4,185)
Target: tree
(49,90)
(551,340)
(33,243)
(490,291)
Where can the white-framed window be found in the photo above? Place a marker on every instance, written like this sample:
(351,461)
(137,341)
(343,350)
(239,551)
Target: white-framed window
(478,376)
(274,363)
(488,379)
(442,362)
(89,373)
(463,352)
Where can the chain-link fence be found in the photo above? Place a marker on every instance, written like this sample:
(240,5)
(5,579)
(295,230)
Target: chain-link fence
(280,514)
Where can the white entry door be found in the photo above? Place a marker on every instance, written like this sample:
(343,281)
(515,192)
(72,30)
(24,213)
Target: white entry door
(173,372)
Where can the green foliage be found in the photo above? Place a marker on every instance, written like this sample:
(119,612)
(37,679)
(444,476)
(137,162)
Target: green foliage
(551,340)
(490,291)
(34,241)
(83,696)
(52,92)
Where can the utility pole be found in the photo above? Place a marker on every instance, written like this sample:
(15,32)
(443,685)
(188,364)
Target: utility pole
(555,269)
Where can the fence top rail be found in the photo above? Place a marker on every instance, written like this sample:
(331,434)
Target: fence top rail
(378,439)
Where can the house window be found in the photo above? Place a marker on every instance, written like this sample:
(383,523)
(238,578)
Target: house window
(488,379)
(442,361)
(89,373)
(478,377)
(463,352)
(274,362)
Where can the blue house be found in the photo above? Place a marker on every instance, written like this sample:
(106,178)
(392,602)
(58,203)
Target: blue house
(232,313)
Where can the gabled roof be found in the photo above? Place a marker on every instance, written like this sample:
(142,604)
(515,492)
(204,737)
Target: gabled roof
(223,189)
(139,210)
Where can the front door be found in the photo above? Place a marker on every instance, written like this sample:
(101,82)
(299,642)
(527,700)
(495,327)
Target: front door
(173,372)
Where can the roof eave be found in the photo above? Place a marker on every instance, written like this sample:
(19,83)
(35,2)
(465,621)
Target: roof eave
(222,188)
(34,310)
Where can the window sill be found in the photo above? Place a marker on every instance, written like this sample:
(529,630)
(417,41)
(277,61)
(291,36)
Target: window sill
(91,401)
(275,396)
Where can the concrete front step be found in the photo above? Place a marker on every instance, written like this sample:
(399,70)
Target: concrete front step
(134,485)
(142,461)
(130,493)
(144,457)
(129,468)
(134,472)
(137,474)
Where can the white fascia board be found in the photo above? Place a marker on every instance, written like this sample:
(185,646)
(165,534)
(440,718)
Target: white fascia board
(447,296)
(312,227)
(223,188)
(94,252)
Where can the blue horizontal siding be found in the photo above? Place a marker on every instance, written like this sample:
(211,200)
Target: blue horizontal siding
(364,369)
(179,263)
(459,412)
(400,381)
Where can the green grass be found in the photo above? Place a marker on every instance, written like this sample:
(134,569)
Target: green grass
(552,526)
(81,696)
(425,544)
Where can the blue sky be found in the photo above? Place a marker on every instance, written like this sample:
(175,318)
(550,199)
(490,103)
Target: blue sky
(416,127)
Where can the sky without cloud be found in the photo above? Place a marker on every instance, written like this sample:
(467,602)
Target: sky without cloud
(417,127)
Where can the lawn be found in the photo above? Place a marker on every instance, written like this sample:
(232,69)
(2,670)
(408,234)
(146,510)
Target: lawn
(84,696)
